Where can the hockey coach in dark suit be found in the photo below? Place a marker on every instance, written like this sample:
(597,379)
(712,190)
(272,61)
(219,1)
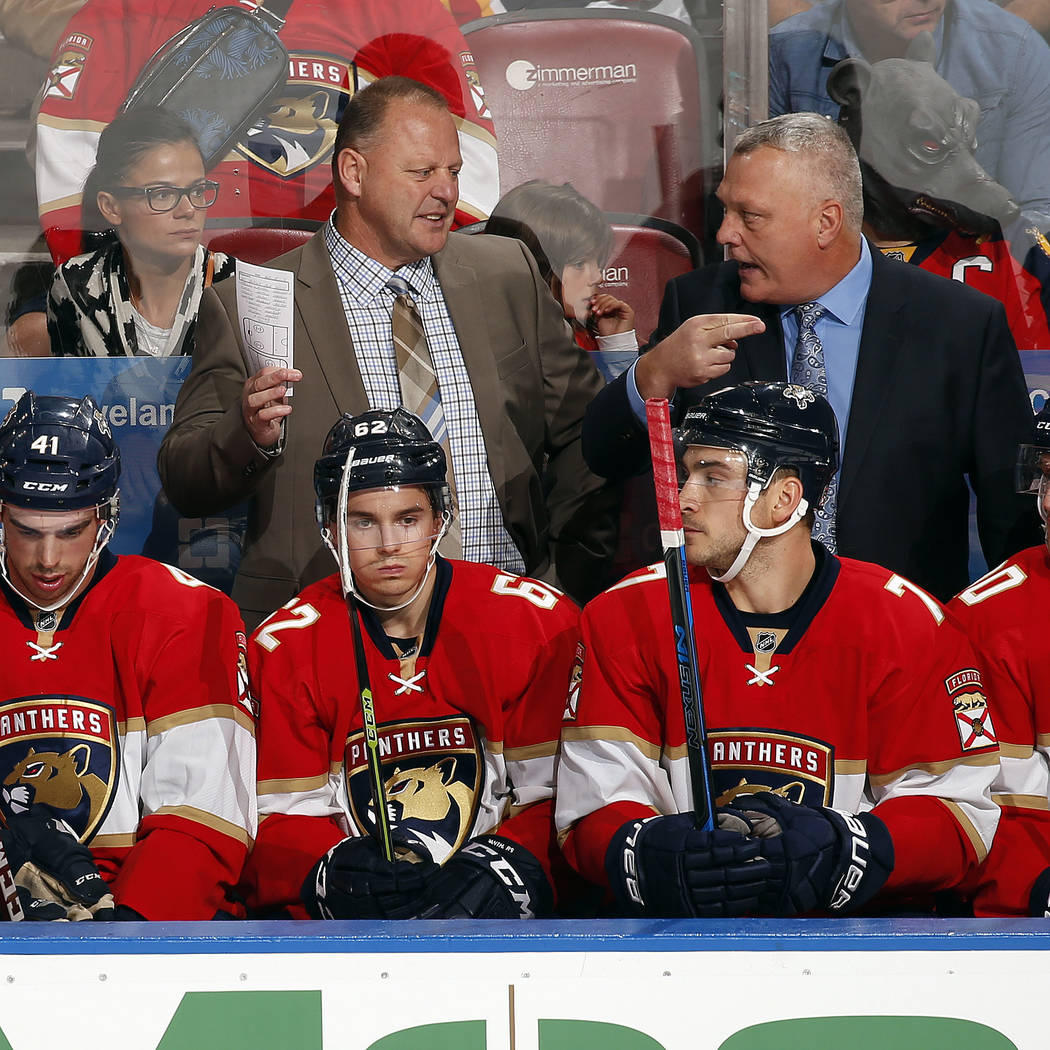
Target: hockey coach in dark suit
(922,372)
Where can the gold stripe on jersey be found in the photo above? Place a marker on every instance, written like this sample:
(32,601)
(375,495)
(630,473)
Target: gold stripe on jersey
(990,758)
(1022,801)
(295,784)
(851,767)
(131,725)
(71,123)
(967,825)
(651,751)
(1016,750)
(475,131)
(209,820)
(114,841)
(523,754)
(1042,739)
(201,714)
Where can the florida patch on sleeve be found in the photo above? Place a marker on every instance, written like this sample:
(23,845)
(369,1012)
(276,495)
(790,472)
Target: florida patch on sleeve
(575,679)
(972,717)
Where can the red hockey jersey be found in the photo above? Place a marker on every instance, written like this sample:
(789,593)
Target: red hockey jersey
(992,266)
(130,718)
(468,726)
(1007,615)
(861,696)
(281,168)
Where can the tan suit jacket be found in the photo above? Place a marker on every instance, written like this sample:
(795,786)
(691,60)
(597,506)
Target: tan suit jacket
(531,385)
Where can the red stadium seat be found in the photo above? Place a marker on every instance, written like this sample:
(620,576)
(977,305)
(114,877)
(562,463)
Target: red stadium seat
(260,244)
(617,104)
(647,253)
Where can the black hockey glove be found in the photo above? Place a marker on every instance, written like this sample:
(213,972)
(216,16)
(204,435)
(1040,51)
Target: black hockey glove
(51,866)
(353,880)
(666,867)
(832,861)
(489,878)
(1039,898)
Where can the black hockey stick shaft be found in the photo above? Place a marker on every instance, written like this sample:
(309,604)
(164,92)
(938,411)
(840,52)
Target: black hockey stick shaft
(368,718)
(672,539)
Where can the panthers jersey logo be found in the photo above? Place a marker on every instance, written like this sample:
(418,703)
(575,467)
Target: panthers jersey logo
(432,770)
(298,131)
(746,761)
(59,754)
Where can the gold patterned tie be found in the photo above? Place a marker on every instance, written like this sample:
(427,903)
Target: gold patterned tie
(419,389)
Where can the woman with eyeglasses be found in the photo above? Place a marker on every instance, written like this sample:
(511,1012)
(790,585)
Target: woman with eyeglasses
(138,291)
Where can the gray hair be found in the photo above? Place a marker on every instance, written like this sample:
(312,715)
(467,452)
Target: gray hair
(831,156)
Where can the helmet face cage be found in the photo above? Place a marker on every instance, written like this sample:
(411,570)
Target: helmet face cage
(378,450)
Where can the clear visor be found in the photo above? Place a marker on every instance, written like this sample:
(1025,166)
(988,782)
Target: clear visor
(713,474)
(1033,467)
(367,534)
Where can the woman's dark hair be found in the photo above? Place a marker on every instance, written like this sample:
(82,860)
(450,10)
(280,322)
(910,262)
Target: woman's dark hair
(120,147)
(556,223)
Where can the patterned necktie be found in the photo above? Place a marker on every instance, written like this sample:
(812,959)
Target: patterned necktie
(807,369)
(419,388)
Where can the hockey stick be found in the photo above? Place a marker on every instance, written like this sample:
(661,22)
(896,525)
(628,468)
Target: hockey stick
(672,539)
(364,685)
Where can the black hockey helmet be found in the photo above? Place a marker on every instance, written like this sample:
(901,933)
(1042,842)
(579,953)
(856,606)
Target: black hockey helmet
(389,449)
(57,454)
(1031,456)
(774,425)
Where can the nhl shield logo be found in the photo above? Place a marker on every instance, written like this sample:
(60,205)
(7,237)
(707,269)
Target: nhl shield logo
(61,755)
(800,395)
(766,642)
(432,770)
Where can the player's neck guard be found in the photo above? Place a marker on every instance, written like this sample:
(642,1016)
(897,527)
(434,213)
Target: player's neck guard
(341,552)
(754,533)
(109,515)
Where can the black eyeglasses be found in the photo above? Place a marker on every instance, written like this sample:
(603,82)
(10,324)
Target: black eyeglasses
(201,194)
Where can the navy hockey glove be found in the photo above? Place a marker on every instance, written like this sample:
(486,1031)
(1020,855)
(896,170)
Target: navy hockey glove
(832,861)
(353,880)
(490,878)
(666,867)
(1039,898)
(52,866)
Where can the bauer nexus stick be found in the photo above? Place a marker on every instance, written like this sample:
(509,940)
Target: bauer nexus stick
(672,539)
(368,711)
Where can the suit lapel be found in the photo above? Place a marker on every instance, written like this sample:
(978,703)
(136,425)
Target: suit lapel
(319,308)
(881,342)
(463,297)
(763,354)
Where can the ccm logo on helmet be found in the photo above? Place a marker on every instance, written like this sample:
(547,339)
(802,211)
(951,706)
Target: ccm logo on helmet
(44,486)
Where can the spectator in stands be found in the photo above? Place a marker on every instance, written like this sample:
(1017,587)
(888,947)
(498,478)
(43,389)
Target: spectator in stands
(984,53)
(571,240)
(137,293)
(922,372)
(1035,12)
(281,166)
(504,386)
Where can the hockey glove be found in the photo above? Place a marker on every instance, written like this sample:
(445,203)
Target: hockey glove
(52,866)
(832,861)
(490,878)
(1039,898)
(353,880)
(666,867)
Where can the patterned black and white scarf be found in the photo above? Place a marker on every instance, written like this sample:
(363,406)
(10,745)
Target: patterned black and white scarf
(89,309)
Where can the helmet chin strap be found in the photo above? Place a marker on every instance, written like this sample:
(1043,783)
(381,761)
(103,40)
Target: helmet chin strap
(342,554)
(754,533)
(103,534)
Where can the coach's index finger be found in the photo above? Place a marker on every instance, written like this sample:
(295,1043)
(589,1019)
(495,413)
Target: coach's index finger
(730,327)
